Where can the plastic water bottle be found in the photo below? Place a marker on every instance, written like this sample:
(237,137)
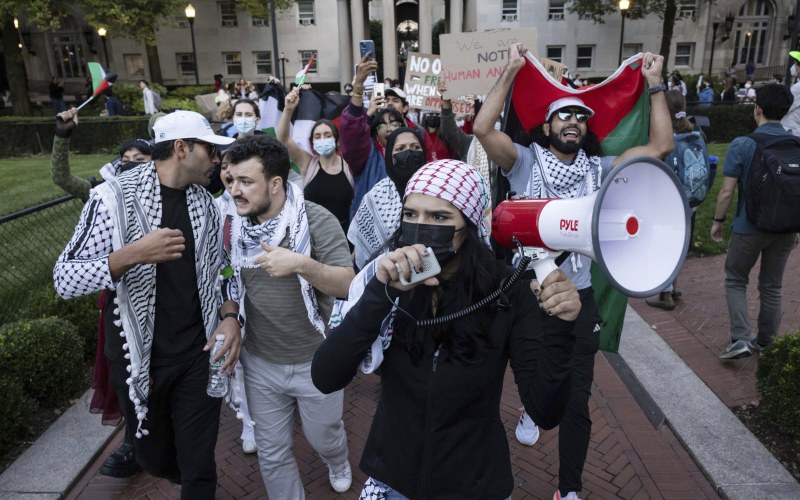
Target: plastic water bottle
(218,381)
(712,174)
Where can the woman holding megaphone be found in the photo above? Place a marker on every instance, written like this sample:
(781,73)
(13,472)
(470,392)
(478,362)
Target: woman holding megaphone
(437,431)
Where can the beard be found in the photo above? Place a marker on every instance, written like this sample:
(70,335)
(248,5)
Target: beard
(568,148)
(255,210)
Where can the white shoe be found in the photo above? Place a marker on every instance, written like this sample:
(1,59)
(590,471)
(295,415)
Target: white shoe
(527,432)
(249,446)
(569,496)
(340,476)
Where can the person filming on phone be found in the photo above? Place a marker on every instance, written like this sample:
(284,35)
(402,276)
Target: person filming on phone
(441,384)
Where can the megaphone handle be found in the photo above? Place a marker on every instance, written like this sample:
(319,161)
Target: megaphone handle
(543,268)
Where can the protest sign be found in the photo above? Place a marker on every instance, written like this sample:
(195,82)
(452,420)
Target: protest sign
(422,78)
(553,68)
(472,62)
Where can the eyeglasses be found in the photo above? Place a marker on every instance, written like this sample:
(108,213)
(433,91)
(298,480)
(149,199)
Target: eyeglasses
(566,115)
(391,125)
(210,148)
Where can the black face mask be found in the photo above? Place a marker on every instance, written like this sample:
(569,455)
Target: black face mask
(433,121)
(128,165)
(404,164)
(439,238)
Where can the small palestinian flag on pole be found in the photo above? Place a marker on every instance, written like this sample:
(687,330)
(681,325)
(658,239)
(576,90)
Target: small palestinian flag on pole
(621,121)
(101,80)
(300,78)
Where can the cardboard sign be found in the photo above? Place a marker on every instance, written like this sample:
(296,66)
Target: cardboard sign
(422,80)
(473,61)
(464,107)
(554,69)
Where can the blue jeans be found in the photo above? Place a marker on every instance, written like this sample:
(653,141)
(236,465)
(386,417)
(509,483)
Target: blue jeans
(743,251)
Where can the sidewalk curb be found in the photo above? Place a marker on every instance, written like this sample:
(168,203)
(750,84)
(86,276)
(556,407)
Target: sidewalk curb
(736,463)
(59,457)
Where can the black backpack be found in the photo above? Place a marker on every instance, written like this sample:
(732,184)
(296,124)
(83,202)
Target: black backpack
(772,186)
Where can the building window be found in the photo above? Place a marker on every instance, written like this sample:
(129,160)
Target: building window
(684,54)
(185,62)
(263,61)
(227,14)
(305,10)
(134,65)
(259,22)
(181,22)
(630,50)
(751,28)
(70,58)
(305,56)
(686,9)
(585,56)
(233,62)
(510,10)
(555,53)
(556,12)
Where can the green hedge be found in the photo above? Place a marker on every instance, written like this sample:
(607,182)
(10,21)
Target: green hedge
(778,381)
(189,91)
(46,356)
(15,412)
(29,135)
(727,120)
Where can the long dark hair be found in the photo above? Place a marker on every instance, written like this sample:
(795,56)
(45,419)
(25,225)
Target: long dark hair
(465,340)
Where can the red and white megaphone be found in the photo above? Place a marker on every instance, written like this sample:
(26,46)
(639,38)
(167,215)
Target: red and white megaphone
(636,227)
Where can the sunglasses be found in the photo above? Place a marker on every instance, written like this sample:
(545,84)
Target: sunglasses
(210,148)
(566,115)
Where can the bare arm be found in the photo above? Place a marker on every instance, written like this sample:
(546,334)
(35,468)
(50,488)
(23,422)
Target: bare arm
(499,146)
(298,155)
(723,203)
(660,142)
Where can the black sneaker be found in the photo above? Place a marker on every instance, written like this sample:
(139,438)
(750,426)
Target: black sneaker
(121,463)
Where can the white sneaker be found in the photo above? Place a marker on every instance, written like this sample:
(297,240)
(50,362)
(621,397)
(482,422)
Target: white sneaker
(527,432)
(340,477)
(249,446)
(569,496)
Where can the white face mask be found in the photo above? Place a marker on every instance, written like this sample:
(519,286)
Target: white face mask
(747,85)
(793,71)
(244,124)
(325,147)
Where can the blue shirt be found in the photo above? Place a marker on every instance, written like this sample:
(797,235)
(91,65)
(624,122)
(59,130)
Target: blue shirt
(737,165)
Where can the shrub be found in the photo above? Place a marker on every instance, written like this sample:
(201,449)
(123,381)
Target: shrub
(727,120)
(173,103)
(778,381)
(189,91)
(45,356)
(15,412)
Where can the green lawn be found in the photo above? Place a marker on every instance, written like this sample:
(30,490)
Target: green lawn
(702,243)
(27,180)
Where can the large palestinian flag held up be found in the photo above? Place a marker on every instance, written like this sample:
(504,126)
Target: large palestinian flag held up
(621,121)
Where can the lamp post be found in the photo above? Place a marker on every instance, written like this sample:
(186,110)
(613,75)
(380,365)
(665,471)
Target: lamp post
(624,5)
(102,33)
(715,26)
(190,13)
(283,60)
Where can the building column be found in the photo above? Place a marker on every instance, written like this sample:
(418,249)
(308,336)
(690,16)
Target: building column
(345,44)
(471,16)
(456,16)
(356,27)
(389,40)
(425,27)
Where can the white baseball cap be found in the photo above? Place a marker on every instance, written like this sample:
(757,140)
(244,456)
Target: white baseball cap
(396,92)
(566,102)
(187,125)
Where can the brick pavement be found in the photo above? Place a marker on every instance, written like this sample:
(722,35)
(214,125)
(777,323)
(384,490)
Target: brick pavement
(627,457)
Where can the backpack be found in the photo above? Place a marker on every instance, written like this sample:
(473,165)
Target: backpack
(156,100)
(772,185)
(689,160)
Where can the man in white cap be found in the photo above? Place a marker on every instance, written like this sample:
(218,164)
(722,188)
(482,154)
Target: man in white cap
(152,237)
(791,121)
(565,161)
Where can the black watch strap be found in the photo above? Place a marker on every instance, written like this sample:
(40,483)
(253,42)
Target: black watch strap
(657,89)
(239,318)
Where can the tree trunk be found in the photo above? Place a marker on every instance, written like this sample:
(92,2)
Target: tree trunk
(15,69)
(666,33)
(154,63)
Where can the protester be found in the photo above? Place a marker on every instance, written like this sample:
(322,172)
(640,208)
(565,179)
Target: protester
(286,295)
(219,82)
(565,161)
(113,105)
(56,91)
(245,117)
(747,243)
(728,95)
(161,263)
(747,94)
(791,121)
(396,99)
(750,70)
(326,177)
(674,81)
(378,216)
(436,147)
(147,95)
(706,95)
(450,417)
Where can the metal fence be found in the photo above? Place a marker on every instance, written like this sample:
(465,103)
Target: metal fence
(30,242)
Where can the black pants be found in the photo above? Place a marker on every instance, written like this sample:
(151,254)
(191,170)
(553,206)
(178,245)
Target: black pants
(575,429)
(183,422)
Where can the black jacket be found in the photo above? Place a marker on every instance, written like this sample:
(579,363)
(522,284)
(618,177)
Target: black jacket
(437,431)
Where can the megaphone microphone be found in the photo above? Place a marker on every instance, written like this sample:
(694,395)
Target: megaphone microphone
(636,227)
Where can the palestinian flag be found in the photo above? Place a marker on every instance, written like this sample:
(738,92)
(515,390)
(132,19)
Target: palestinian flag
(101,79)
(621,121)
(300,78)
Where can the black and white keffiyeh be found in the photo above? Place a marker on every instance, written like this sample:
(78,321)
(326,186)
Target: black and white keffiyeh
(377,218)
(559,180)
(373,490)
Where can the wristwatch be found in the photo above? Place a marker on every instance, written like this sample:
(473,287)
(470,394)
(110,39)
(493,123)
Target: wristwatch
(239,318)
(657,89)
(723,219)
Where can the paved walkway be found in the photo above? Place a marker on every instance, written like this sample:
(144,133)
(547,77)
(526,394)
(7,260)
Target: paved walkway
(628,458)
